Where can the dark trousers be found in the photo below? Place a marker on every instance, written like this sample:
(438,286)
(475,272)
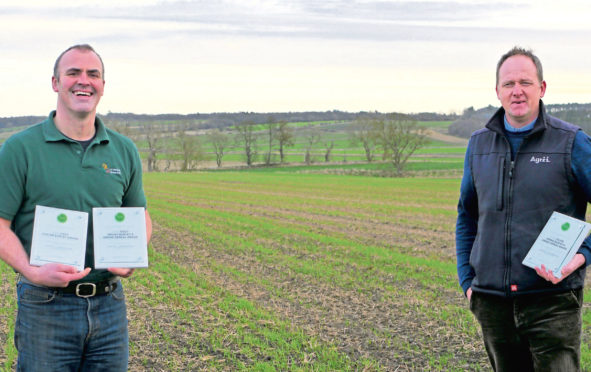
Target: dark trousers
(540,332)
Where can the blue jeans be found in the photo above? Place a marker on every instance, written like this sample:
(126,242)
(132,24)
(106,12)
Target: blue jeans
(63,332)
(538,332)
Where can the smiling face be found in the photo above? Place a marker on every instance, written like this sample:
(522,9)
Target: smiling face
(520,90)
(79,84)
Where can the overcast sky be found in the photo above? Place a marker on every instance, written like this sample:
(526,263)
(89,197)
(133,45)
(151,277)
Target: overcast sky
(293,55)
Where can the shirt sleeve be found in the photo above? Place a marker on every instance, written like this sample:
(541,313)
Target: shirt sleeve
(12,181)
(466,225)
(134,195)
(581,166)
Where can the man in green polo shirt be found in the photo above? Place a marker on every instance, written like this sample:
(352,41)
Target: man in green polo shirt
(68,319)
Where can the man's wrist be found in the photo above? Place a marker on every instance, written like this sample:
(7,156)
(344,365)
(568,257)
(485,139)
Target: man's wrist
(466,285)
(587,255)
(30,272)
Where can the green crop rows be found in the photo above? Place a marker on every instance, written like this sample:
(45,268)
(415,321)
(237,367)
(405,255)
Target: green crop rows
(293,271)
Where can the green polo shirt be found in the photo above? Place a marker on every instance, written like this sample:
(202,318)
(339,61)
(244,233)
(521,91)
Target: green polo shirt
(41,166)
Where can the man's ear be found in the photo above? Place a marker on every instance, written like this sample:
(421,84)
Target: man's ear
(543,88)
(54,83)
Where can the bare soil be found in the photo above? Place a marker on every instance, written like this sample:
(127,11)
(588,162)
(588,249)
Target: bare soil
(373,325)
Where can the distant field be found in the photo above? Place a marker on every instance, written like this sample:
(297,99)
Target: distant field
(435,124)
(299,124)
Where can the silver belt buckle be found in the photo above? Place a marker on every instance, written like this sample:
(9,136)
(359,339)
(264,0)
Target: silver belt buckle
(88,295)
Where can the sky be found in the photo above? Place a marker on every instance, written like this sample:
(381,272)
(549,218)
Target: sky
(169,56)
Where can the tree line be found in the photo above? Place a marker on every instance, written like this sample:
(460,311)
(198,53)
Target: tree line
(222,120)
(395,137)
(472,119)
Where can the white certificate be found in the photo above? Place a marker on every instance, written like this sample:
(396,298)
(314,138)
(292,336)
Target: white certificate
(119,237)
(557,244)
(59,235)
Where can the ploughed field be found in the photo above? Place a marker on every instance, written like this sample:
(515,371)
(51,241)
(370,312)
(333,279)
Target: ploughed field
(297,272)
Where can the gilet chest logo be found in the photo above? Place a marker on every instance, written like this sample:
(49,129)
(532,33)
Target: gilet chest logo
(541,159)
(111,170)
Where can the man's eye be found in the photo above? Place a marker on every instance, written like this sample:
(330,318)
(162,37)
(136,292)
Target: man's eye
(508,85)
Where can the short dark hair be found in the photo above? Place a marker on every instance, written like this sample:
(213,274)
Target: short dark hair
(518,51)
(86,47)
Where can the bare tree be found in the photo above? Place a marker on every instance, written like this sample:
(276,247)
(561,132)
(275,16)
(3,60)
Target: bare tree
(168,147)
(284,136)
(248,139)
(363,130)
(152,139)
(271,128)
(311,137)
(191,150)
(328,146)
(219,141)
(401,137)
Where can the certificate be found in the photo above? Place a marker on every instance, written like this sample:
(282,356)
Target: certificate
(59,235)
(119,237)
(557,244)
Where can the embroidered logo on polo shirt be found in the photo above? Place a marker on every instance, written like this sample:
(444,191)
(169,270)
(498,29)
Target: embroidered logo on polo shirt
(541,159)
(111,170)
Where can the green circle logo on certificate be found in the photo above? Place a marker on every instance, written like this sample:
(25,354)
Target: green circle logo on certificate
(62,218)
(119,217)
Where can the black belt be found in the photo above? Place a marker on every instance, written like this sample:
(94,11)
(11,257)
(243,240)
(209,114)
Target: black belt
(89,289)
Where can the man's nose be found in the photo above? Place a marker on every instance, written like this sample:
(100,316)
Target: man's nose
(517,90)
(83,79)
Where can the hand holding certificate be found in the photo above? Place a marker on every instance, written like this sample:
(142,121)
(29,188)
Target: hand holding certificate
(59,236)
(557,244)
(120,238)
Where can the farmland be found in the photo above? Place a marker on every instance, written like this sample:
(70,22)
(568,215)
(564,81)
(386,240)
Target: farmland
(322,268)
(311,272)
(292,271)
